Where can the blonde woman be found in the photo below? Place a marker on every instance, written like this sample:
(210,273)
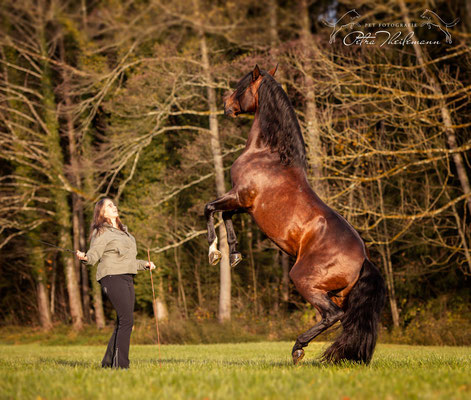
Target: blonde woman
(114,248)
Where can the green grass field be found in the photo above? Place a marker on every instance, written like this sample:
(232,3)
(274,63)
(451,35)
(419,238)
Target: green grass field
(233,371)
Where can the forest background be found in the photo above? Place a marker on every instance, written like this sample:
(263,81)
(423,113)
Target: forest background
(123,99)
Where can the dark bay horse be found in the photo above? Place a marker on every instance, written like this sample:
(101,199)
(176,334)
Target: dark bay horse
(269,181)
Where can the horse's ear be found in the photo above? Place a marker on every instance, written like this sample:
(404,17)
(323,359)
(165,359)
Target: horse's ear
(255,73)
(272,72)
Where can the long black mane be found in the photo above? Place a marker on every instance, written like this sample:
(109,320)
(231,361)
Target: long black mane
(278,122)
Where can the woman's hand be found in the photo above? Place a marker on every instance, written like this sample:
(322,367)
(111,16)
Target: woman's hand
(150,266)
(81,255)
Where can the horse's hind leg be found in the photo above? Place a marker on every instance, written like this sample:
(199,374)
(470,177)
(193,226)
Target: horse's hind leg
(227,202)
(330,312)
(235,257)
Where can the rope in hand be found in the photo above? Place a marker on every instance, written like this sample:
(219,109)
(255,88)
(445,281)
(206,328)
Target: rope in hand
(154,307)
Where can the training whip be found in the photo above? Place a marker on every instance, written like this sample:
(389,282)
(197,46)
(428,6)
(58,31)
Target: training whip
(154,306)
(52,245)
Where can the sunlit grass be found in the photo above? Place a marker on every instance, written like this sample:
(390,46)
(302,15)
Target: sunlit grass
(233,371)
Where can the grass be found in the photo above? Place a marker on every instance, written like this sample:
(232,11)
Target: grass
(233,371)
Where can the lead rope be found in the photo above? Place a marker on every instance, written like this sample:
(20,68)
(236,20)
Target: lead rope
(154,307)
(52,245)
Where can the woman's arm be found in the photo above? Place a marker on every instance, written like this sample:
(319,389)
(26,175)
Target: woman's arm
(97,248)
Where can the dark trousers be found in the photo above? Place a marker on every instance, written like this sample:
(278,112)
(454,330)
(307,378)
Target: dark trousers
(120,290)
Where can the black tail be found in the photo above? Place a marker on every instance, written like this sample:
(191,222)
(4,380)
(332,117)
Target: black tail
(360,322)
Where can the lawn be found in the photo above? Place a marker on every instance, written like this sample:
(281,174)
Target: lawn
(233,371)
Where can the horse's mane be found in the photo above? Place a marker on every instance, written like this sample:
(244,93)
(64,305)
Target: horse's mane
(279,127)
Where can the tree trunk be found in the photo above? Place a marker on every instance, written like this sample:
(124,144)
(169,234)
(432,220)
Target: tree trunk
(89,185)
(272,9)
(79,243)
(53,289)
(225,269)
(386,253)
(198,286)
(252,268)
(100,320)
(445,112)
(312,133)
(386,256)
(37,263)
(59,197)
(76,179)
(73,289)
(160,304)
(85,291)
(43,305)
(181,289)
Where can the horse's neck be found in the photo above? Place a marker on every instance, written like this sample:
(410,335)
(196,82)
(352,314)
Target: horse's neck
(256,144)
(254,141)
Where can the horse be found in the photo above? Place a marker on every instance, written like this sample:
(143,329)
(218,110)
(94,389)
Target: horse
(269,181)
(338,26)
(432,19)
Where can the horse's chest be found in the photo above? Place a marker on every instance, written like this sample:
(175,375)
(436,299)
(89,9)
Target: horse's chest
(236,171)
(251,167)
(242,170)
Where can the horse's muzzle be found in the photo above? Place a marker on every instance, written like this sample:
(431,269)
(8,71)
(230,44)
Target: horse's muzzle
(230,112)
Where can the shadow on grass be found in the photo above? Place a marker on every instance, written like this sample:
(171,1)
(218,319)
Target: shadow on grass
(311,364)
(69,363)
(259,364)
(229,363)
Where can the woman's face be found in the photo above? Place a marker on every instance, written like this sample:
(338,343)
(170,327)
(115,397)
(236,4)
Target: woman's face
(110,210)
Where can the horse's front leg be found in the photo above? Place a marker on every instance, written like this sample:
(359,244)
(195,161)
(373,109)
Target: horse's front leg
(234,256)
(227,202)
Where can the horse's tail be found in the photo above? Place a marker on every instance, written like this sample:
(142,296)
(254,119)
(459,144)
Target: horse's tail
(325,22)
(449,25)
(360,321)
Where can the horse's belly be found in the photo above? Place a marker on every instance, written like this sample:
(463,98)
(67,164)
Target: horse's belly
(295,224)
(280,222)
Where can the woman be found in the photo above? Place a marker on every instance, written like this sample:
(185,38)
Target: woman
(114,248)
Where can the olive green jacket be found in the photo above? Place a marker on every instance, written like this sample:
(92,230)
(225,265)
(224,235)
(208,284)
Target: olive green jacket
(115,251)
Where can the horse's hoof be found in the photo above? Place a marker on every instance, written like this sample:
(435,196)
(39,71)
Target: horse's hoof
(235,259)
(214,257)
(297,356)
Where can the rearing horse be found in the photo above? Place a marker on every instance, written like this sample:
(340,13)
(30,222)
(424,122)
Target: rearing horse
(269,181)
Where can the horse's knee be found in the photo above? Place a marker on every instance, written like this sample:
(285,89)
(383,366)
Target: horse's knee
(208,210)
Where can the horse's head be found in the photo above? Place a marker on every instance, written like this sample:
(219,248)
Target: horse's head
(426,14)
(245,98)
(354,14)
